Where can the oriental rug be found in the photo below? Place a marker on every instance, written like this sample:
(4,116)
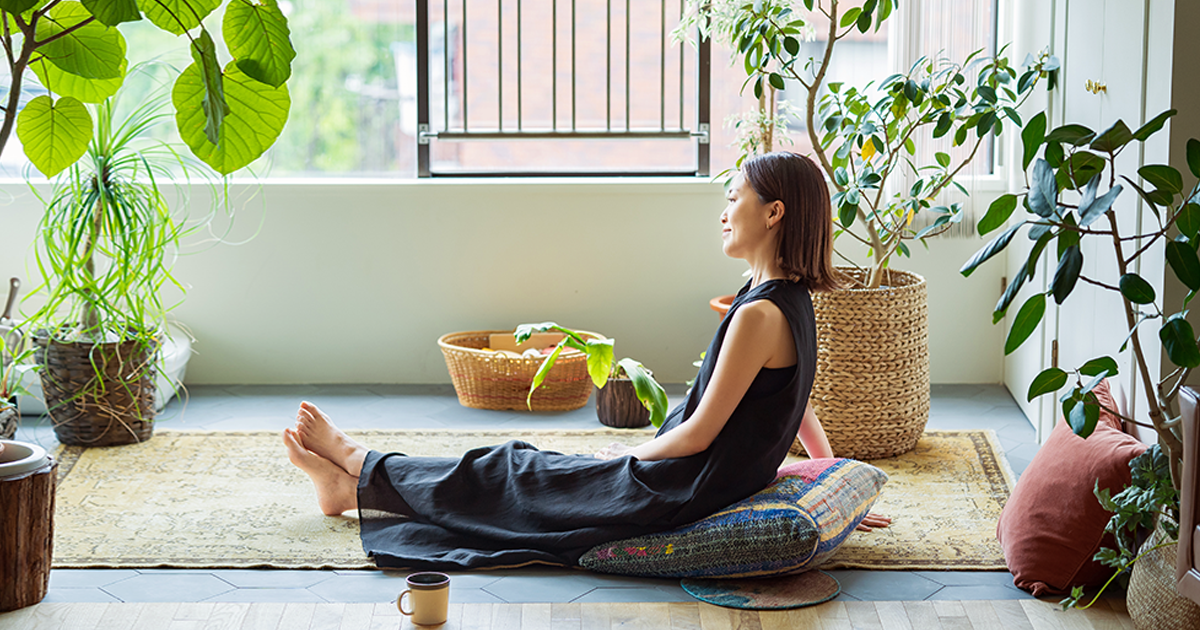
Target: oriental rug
(206,499)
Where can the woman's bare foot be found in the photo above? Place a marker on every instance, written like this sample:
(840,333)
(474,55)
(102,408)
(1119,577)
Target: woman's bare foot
(319,435)
(337,491)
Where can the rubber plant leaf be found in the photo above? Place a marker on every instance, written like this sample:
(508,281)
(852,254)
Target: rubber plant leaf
(1032,137)
(114,12)
(1049,381)
(177,16)
(1026,322)
(1083,416)
(1043,195)
(1182,258)
(995,246)
(258,38)
(1135,289)
(997,213)
(1152,127)
(1097,208)
(55,134)
(1112,139)
(256,117)
(1100,365)
(648,390)
(1180,342)
(1067,273)
(92,51)
(64,83)
(599,360)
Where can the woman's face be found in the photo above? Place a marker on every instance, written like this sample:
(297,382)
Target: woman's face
(745,221)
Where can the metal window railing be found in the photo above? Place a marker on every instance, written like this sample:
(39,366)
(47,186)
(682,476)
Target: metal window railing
(457,114)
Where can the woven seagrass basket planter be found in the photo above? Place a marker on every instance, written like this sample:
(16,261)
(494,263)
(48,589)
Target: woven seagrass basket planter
(617,405)
(99,394)
(489,380)
(1152,600)
(871,390)
(9,419)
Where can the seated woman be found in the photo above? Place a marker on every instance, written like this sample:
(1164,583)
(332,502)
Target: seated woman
(513,504)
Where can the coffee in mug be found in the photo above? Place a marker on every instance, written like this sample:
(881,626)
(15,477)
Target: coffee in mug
(428,595)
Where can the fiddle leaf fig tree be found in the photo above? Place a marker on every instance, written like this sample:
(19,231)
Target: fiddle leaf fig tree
(228,115)
(863,138)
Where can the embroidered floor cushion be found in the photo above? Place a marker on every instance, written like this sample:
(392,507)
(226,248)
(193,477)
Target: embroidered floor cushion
(794,524)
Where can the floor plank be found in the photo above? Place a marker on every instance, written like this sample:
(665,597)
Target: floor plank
(535,616)
(863,616)
(1011,615)
(684,616)
(982,616)
(594,617)
(893,616)
(156,616)
(715,618)
(263,616)
(356,616)
(922,615)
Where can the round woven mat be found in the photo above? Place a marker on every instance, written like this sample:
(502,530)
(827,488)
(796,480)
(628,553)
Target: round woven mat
(775,593)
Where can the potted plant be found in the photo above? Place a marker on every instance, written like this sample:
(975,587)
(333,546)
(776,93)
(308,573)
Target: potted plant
(872,384)
(634,398)
(1069,197)
(104,249)
(12,366)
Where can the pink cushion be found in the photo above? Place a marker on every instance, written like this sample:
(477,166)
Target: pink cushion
(1052,524)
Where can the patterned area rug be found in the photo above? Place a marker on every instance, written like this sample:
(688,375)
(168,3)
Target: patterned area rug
(192,499)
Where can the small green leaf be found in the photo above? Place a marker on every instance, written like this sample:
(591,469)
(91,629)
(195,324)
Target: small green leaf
(987,93)
(1180,342)
(1162,176)
(1076,135)
(114,12)
(1032,137)
(1084,416)
(995,246)
(1043,196)
(1113,138)
(776,81)
(998,213)
(846,215)
(1182,258)
(1097,208)
(1193,156)
(942,158)
(1010,292)
(791,45)
(177,16)
(54,134)
(1025,322)
(599,360)
(1100,365)
(850,17)
(1067,273)
(258,37)
(1049,381)
(1188,220)
(1152,127)
(1135,289)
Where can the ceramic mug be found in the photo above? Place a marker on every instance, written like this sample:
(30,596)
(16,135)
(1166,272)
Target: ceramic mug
(429,595)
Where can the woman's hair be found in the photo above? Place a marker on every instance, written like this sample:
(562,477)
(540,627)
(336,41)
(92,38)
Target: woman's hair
(806,231)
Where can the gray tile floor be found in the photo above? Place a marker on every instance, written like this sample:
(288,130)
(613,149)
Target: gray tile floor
(245,407)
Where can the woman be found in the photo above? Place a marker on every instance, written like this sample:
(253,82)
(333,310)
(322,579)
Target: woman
(513,504)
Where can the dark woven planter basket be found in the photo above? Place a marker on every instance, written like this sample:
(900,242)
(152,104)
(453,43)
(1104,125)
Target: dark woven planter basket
(8,421)
(617,405)
(93,410)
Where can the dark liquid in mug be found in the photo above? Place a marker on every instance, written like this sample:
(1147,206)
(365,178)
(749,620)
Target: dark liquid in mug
(427,579)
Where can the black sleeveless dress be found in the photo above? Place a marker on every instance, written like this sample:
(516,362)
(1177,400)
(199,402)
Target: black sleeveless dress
(513,504)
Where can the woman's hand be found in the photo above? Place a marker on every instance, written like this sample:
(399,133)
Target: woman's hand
(873,521)
(613,451)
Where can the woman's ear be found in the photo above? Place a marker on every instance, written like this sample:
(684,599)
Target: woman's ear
(774,213)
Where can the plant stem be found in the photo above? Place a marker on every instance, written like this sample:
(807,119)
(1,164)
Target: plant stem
(91,316)
(17,72)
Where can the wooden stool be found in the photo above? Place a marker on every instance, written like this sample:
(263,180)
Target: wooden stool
(27,479)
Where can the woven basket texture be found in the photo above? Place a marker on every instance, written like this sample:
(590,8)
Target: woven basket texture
(871,390)
(1152,600)
(488,380)
(8,421)
(617,405)
(99,394)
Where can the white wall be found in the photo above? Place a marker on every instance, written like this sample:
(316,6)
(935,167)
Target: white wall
(354,282)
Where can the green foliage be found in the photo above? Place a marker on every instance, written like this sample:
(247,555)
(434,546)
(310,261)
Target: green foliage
(600,365)
(862,139)
(14,362)
(79,56)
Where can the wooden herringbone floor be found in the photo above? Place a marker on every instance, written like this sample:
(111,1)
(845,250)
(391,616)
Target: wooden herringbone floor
(923,615)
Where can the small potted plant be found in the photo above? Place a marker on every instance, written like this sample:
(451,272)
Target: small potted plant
(633,399)
(13,364)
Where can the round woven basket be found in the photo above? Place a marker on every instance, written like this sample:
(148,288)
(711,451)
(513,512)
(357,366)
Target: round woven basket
(617,405)
(9,419)
(1152,600)
(489,380)
(871,390)
(99,394)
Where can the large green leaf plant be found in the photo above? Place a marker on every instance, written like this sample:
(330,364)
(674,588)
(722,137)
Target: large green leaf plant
(864,137)
(1070,195)
(228,114)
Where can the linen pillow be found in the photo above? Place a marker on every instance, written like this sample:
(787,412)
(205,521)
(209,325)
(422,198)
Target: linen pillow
(1052,524)
(794,524)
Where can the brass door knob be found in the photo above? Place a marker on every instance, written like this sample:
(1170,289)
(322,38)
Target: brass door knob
(1095,87)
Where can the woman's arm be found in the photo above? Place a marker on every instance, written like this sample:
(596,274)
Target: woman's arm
(812,435)
(758,334)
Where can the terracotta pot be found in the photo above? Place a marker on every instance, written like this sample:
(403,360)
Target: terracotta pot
(1152,600)
(721,304)
(617,405)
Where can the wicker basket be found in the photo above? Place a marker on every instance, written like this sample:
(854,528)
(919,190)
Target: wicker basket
(871,390)
(9,420)
(489,380)
(1152,600)
(117,410)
